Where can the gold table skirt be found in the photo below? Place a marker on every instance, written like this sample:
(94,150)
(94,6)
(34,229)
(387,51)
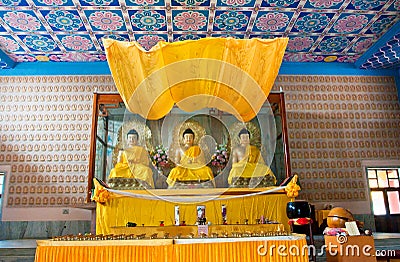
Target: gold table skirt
(117,211)
(218,250)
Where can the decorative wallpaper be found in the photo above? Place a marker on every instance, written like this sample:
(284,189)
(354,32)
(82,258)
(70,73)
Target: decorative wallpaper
(334,122)
(45,125)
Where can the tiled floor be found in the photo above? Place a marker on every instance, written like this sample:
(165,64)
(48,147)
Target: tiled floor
(20,243)
(23,250)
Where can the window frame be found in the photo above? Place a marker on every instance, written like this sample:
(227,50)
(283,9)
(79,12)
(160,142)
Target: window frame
(383,189)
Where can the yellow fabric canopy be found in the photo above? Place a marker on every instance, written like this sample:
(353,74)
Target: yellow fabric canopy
(233,75)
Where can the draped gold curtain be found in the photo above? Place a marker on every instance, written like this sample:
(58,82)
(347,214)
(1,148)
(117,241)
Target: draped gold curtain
(233,75)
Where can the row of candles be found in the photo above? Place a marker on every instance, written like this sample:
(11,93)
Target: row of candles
(166,235)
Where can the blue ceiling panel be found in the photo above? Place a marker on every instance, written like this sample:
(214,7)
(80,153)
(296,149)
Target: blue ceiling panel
(12,3)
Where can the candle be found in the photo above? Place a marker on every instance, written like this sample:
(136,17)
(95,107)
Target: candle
(177,216)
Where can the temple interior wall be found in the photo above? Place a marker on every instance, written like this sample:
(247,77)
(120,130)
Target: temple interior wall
(334,124)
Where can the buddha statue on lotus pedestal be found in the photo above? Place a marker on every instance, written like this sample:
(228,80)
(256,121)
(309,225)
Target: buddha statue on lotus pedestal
(191,170)
(248,167)
(133,163)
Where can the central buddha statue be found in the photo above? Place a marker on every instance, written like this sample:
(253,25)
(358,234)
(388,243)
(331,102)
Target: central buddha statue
(248,164)
(133,161)
(190,162)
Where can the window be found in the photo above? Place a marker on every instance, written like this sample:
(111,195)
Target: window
(384,184)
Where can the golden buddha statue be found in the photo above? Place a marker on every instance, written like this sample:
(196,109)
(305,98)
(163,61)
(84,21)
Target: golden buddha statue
(133,161)
(248,164)
(190,161)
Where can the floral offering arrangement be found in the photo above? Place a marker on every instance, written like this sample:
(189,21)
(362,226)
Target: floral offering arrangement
(159,158)
(220,157)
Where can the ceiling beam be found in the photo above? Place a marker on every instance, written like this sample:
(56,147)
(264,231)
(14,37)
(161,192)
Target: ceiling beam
(101,68)
(378,44)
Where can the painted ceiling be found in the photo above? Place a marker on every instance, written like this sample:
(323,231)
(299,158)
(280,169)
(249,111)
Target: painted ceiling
(318,30)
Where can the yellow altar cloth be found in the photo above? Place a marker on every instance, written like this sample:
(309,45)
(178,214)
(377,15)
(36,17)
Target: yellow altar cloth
(252,166)
(134,163)
(241,249)
(104,250)
(214,250)
(190,170)
(117,210)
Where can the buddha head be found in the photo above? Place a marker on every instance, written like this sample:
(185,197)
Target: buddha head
(188,137)
(132,138)
(244,136)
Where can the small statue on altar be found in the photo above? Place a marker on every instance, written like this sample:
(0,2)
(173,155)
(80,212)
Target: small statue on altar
(248,164)
(133,161)
(190,161)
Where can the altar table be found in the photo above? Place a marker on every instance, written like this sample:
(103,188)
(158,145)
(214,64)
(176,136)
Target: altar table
(185,231)
(118,210)
(279,248)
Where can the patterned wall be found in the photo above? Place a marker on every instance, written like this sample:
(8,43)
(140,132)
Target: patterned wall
(45,125)
(334,122)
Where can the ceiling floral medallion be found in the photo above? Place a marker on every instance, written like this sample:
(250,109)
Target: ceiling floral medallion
(64,20)
(10,2)
(281,3)
(367,4)
(312,22)
(22,21)
(76,42)
(148,20)
(112,36)
(334,44)
(325,3)
(52,2)
(187,37)
(8,44)
(144,2)
(236,2)
(40,43)
(299,43)
(362,45)
(190,20)
(272,22)
(148,41)
(380,25)
(106,21)
(231,20)
(351,23)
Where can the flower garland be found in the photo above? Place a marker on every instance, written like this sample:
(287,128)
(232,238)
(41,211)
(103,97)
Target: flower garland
(292,189)
(220,157)
(100,194)
(159,158)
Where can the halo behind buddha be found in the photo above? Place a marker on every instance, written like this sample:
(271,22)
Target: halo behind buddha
(144,136)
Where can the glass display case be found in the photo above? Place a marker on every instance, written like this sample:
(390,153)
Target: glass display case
(216,133)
